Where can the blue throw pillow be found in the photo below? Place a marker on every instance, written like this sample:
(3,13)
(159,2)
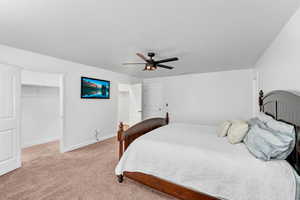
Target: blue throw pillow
(266,143)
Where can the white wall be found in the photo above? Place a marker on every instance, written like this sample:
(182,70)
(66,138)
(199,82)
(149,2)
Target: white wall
(40,120)
(201,98)
(82,116)
(279,67)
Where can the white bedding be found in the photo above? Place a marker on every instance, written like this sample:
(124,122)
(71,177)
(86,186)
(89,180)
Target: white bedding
(194,157)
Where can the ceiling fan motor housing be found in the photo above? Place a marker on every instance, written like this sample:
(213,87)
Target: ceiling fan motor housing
(151,54)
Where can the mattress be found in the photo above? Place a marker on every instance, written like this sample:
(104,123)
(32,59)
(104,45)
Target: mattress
(194,157)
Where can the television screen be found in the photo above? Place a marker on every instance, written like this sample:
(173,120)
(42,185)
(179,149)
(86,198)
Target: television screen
(94,88)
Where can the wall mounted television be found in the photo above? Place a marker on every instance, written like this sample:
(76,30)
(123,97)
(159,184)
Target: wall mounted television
(92,88)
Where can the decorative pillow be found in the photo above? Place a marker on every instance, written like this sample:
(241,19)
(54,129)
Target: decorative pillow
(280,126)
(264,118)
(266,143)
(256,121)
(237,131)
(286,131)
(223,128)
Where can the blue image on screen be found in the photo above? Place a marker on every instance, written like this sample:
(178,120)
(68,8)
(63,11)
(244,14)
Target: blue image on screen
(94,88)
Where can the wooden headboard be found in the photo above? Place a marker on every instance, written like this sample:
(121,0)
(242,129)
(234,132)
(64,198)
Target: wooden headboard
(284,106)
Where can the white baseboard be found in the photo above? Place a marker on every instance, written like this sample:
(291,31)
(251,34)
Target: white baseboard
(77,146)
(105,137)
(9,166)
(41,141)
(86,143)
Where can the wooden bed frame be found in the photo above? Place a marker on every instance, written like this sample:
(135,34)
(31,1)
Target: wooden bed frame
(281,105)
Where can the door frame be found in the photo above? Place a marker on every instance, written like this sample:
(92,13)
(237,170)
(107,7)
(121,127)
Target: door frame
(62,140)
(126,87)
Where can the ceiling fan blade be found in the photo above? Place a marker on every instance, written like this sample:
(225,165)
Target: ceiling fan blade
(167,60)
(164,66)
(134,63)
(142,56)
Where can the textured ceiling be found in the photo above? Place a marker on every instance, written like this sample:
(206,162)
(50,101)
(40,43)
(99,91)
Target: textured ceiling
(207,35)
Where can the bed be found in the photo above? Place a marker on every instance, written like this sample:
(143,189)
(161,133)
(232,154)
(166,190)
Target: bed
(191,163)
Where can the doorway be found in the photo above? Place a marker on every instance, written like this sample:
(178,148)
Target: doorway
(41,113)
(130,103)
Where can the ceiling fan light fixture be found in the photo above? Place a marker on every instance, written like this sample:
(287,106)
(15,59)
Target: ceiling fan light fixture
(150,68)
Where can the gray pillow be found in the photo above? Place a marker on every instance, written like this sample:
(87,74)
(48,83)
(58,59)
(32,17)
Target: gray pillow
(256,121)
(280,126)
(266,143)
(264,117)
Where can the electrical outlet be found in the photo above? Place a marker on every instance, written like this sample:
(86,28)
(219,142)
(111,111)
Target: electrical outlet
(97,134)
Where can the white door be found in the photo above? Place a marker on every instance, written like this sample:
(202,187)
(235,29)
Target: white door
(10,148)
(135,113)
(153,105)
(124,107)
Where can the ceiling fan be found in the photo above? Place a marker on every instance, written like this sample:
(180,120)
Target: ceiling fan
(150,64)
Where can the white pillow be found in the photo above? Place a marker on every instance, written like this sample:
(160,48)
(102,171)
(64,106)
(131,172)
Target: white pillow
(223,128)
(237,131)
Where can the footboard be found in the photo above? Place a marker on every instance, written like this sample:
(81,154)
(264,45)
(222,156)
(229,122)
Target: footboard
(126,137)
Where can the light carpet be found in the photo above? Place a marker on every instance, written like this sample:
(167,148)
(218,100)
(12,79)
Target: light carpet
(84,174)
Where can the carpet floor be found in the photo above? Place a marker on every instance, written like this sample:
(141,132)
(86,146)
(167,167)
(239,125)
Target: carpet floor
(83,174)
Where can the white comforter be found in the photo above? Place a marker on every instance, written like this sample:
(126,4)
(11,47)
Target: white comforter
(194,157)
